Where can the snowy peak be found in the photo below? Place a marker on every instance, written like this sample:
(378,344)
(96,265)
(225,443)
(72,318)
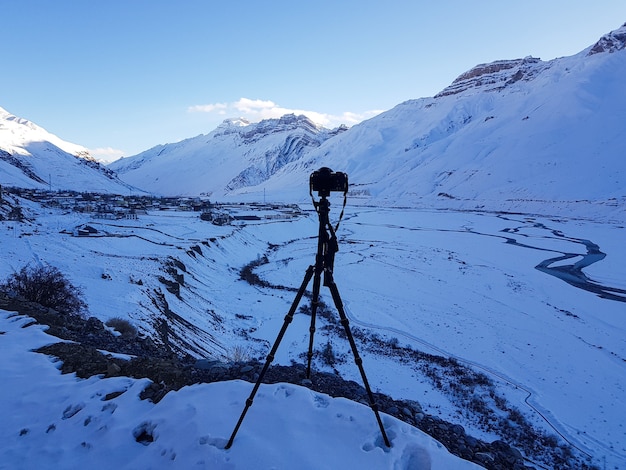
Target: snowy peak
(612,42)
(31,157)
(286,123)
(231,125)
(500,74)
(17,133)
(496,75)
(6,118)
(253,131)
(298,135)
(509,135)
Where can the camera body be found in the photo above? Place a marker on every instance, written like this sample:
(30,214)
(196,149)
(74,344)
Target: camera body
(325,180)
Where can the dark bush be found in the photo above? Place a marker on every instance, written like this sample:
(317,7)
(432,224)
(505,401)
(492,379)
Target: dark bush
(122,326)
(16,214)
(328,355)
(47,286)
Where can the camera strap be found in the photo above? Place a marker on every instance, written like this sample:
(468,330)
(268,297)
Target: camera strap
(343,207)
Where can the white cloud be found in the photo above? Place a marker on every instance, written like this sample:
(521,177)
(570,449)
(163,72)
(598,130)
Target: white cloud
(208,108)
(248,105)
(106,154)
(257,110)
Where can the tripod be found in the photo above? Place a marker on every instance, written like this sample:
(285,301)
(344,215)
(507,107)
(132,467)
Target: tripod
(327,246)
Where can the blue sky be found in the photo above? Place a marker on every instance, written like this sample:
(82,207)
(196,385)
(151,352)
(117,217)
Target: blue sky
(122,76)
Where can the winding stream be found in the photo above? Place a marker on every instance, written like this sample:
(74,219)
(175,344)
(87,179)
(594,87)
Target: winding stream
(573,273)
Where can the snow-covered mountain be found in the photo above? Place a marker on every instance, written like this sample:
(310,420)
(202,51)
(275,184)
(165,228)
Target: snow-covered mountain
(31,157)
(511,134)
(506,135)
(235,155)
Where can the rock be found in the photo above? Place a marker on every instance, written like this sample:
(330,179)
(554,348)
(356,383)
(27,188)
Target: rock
(218,368)
(516,453)
(471,441)
(484,457)
(204,364)
(458,429)
(612,42)
(113,369)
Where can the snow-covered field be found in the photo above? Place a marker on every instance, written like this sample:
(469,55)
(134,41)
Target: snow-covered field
(457,284)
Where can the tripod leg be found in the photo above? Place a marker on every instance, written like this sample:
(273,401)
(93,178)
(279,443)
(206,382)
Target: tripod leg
(314,305)
(270,356)
(330,283)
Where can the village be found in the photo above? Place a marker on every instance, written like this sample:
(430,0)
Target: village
(133,206)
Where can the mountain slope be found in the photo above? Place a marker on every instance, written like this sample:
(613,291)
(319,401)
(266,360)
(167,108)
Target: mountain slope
(235,155)
(502,135)
(31,157)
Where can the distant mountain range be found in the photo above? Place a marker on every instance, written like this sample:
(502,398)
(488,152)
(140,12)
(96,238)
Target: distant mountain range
(236,155)
(510,134)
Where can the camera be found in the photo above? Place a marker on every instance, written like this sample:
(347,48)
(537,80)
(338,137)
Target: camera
(326,180)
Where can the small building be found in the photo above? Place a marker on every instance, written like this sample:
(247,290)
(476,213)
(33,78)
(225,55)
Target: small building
(85,231)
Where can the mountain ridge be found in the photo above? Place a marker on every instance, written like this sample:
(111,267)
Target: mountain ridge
(233,156)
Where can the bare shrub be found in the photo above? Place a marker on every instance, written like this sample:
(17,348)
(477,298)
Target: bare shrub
(328,355)
(47,286)
(122,326)
(238,353)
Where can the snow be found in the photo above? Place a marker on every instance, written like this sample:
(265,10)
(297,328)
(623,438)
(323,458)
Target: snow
(443,282)
(57,421)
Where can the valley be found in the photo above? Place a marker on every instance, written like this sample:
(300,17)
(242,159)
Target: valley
(429,294)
